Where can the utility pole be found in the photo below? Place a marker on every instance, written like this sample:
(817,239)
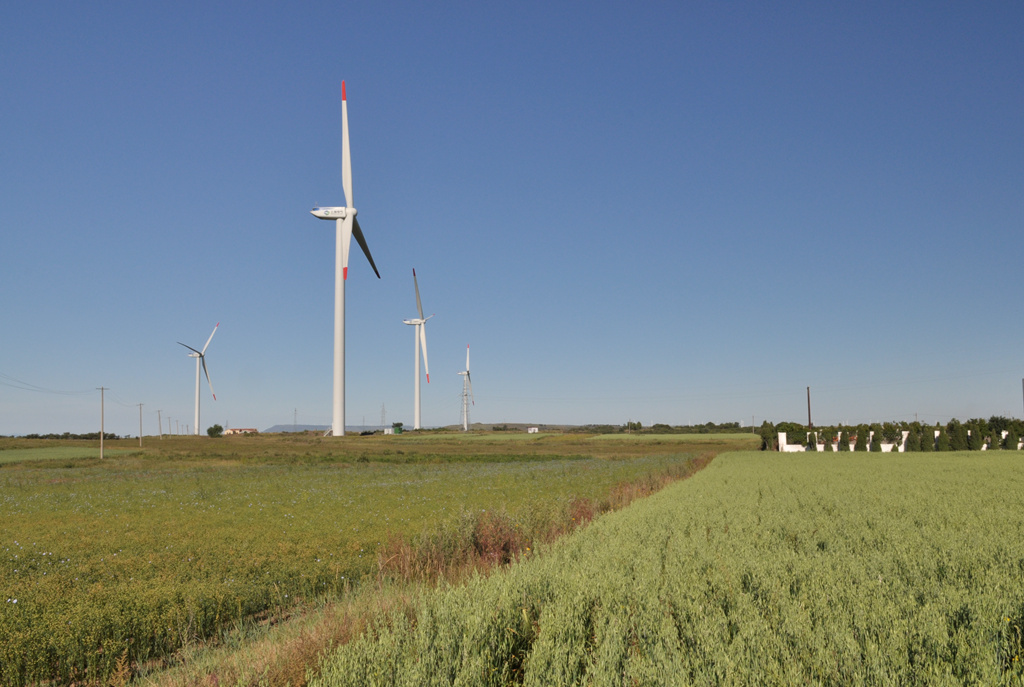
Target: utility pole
(102,389)
(159,425)
(140,425)
(810,425)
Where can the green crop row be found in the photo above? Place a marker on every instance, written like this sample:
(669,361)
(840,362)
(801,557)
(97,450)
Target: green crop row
(762,569)
(131,560)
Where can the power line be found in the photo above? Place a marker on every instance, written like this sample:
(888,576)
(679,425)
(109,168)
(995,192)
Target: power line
(15,383)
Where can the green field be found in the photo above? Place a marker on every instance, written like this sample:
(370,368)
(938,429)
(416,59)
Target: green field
(65,453)
(763,569)
(139,555)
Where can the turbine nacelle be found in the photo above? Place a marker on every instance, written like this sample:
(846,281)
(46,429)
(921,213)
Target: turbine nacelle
(332,213)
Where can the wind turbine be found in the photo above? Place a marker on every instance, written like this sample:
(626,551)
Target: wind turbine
(346,226)
(200,357)
(467,393)
(420,342)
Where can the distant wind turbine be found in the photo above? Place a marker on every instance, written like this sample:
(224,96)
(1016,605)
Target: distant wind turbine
(467,393)
(200,357)
(346,226)
(420,342)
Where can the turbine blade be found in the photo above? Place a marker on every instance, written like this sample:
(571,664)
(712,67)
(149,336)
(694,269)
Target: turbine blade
(469,383)
(423,346)
(346,159)
(467,358)
(419,305)
(189,347)
(361,240)
(203,358)
(210,339)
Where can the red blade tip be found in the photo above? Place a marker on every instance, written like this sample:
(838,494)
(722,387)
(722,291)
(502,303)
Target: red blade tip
(344,274)
(342,90)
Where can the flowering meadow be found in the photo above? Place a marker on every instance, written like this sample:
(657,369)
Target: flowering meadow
(762,569)
(128,560)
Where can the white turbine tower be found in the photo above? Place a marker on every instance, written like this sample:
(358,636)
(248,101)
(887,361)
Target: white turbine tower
(200,357)
(420,342)
(346,226)
(467,393)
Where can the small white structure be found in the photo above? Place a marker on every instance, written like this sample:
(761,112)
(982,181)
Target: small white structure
(241,430)
(532,430)
(887,447)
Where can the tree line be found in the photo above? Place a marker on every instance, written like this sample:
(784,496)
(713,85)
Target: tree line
(68,435)
(634,427)
(972,435)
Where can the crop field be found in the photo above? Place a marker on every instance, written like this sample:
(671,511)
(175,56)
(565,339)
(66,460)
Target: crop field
(139,555)
(766,569)
(64,453)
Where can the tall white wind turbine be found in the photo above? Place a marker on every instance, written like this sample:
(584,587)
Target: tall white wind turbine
(200,357)
(421,342)
(346,226)
(467,393)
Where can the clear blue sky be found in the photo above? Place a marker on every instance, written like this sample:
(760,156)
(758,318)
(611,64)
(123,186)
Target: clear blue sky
(667,212)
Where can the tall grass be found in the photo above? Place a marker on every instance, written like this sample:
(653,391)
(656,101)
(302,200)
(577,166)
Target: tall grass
(764,569)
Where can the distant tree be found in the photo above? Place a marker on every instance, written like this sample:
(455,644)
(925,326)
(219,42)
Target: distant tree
(913,438)
(927,439)
(1012,438)
(812,441)
(795,433)
(861,442)
(844,440)
(215,431)
(769,437)
(876,438)
(957,435)
(892,433)
(976,430)
(997,424)
(942,442)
